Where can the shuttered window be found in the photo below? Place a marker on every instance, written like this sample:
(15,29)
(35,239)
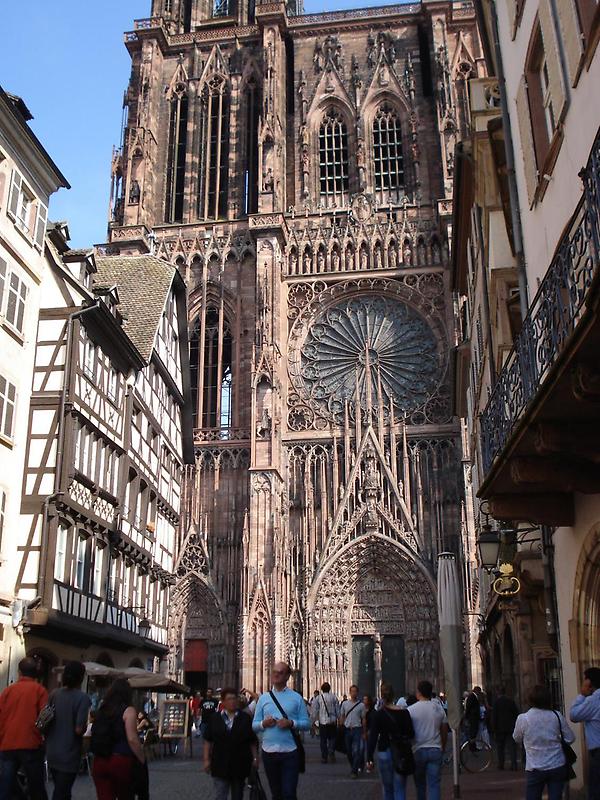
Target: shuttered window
(16,297)
(8,399)
(551,50)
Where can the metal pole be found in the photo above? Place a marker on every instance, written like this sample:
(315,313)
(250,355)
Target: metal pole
(455,755)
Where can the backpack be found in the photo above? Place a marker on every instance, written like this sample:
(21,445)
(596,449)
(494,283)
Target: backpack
(403,759)
(104,735)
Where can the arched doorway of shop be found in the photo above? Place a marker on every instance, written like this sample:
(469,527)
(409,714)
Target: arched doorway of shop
(585,625)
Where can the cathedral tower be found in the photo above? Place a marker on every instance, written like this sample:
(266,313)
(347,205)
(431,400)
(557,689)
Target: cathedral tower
(298,171)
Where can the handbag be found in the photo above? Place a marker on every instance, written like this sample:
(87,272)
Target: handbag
(340,740)
(256,788)
(296,735)
(403,759)
(569,753)
(46,717)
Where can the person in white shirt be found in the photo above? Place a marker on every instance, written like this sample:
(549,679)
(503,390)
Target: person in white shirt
(539,730)
(351,717)
(431,733)
(325,710)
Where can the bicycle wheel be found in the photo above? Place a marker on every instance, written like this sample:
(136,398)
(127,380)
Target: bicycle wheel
(476,756)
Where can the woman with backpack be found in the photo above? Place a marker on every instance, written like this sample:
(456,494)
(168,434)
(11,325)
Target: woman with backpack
(391,733)
(118,752)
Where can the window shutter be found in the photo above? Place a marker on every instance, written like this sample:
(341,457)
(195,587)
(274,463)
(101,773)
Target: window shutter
(15,191)
(511,6)
(40,227)
(3,272)
(572,36)
(527,146)
(557,89)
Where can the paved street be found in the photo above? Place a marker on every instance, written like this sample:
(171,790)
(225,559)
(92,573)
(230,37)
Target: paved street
(183,779)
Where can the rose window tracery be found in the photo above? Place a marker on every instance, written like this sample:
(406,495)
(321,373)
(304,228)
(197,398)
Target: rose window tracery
(370,344)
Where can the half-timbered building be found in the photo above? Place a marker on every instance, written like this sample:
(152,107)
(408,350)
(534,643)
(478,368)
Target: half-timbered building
(108,439)
(28,177)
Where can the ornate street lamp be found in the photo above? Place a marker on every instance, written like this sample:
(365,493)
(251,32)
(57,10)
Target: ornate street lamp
(488,545)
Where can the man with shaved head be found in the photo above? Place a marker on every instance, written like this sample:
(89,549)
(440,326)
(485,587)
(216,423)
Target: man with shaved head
(280,715)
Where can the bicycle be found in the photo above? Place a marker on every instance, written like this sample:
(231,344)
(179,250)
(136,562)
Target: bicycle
(475,755)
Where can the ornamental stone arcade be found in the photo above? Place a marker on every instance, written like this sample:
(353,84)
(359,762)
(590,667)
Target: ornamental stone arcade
(298,170)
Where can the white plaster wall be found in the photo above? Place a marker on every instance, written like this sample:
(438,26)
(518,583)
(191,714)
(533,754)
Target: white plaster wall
(543,225)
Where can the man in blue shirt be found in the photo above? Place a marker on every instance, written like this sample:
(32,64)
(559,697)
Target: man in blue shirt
(279,750)
(586,709)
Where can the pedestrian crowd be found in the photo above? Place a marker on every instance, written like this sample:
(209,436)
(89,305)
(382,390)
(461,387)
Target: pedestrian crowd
(44,734)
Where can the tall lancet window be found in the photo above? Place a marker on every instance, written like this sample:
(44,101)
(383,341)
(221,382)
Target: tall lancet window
(176,156)
(333,159)
(250,134)
(387,154)
(220,8)
(211,365)
(186,14)
(212,203)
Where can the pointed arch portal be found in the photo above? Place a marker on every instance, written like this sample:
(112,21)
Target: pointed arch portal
(372,617)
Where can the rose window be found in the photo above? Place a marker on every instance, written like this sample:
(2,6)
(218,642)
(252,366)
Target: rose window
(370,336)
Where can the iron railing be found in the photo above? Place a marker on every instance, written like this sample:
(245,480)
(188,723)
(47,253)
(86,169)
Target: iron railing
(552,318)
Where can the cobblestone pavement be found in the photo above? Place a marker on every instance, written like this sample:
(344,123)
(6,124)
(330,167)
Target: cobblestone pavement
(183,779)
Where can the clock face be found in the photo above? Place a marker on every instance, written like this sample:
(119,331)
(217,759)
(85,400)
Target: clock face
(370,344)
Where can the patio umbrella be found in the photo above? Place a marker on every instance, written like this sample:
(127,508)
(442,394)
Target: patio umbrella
(451,630)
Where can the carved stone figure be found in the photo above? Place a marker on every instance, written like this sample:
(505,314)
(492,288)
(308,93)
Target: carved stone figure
(134,192)
(320,261)
(268,181)
(318,57)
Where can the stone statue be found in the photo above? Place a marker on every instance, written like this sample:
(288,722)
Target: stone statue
(364,258)
(318,57)
(335,259)
(268,181)
(134,192)
(378,260)
(320,261)
(393,257)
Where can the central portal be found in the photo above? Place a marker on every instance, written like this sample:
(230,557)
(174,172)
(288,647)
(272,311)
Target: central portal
(376,660)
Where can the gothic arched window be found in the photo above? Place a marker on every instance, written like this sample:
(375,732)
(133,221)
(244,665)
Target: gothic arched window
(387,154)
(250,134)
(211,366)
(214,161)
(176,157)
(333,159)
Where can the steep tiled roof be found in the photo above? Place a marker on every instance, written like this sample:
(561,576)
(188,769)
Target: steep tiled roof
(143,283)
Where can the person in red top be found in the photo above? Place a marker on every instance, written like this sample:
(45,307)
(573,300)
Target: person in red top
(20,740)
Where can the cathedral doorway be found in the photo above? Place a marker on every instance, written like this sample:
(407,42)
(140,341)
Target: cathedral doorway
(373,619)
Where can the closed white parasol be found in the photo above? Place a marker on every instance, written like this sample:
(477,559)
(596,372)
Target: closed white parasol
(451,630)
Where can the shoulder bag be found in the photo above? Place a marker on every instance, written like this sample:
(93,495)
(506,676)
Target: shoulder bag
(45,719)
(569,753)
(295,734)
(403,759)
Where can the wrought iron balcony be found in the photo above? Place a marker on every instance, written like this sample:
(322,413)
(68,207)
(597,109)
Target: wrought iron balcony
(553,319)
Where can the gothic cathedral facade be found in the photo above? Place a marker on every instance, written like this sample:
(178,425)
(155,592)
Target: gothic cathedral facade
(298,170)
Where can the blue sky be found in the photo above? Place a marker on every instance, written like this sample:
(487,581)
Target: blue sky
(67,60)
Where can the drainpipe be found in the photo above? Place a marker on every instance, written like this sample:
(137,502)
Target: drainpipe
(64,398)
(509,154)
